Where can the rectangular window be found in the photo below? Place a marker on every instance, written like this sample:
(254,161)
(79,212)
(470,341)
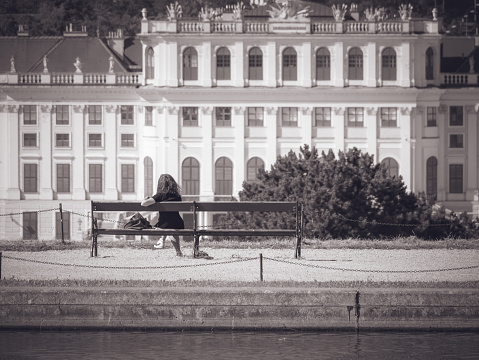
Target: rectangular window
(62,114)
(30,178)
(190,116)
(95,172)
(94,140)
(389,117)
(322,117)
(62,140)
(127,178)
(223,116)
(323,67)
(30,225)
(431,116)
(29,114)
(456,116)
(127,115)
(66,225)
(255,116)
(63,178)
(355,117)
(148,115)
(290,70)
(289,116)
(355,67)
(455,179)
(94,114)
(127,140)
(456,141)
(30,140)
(223,67)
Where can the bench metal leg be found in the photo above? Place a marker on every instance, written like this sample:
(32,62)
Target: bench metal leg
(196,245)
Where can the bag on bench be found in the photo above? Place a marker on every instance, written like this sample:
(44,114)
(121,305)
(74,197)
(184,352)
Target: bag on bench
(138,222)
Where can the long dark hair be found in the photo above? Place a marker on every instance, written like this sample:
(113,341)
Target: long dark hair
(168,185)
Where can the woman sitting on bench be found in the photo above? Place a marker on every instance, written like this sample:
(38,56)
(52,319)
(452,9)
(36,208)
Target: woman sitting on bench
(167,190)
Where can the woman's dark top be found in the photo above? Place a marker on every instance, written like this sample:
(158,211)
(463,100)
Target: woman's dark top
(170,219)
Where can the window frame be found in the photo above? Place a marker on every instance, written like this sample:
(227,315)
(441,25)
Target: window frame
(190,64)
(456,141)
(127,178)
(289,117)
(30,178)
(353,114)
(95,180)
(223,64)
(456,178)
(63,178)
(224,177)
(190,176)
(31,111)
(323,64)
(150,64)
(27,142)
(290,64)
(127,141)
(148,115)
(355,64)
(62,140)
(429,65)
(255,116)
(389,117)
(127,115)
(222,113)
(252,169)
(454,119)
(255,64)
(321,115)
(431,116)
(62,115)
(30,220)
(389,64)
(431,177)
(66,225)
(95,117)
(190,116)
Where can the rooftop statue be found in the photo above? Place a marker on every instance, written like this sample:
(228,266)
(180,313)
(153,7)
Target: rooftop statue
(339,13)
(405,11)
(174,11)
(238,10)
(287,9)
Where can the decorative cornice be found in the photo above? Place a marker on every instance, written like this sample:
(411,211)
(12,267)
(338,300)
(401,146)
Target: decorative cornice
(111,108)
(442,109)
(240,110)
(46,108)
(173,110)
(372,111)
(339,110)
(272,110)
(470,109)
(419,109)
(405,110)
(79,108)
(307,110)
(207,110)
(159,109)
(14,108)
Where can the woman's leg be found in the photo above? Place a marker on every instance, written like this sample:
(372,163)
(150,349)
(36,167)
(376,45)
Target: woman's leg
(175,240)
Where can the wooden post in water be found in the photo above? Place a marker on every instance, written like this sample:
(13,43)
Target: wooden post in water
(61,223)
(261,267)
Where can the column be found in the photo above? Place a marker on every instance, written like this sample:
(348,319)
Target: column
(371,65)
(205,65)
(337,62)
(471,154)
(271,123)
(442,170)
(306,65)
(372,131)
(160,68)
(78,148)
(172,64)
(238,68)
(10,138)
(173,155)
(270,65)
(45,166)
(338,124)
(207,166)
(111,145)
(404,74)
(306,124)
(239,157)
(159,166)
(404,121)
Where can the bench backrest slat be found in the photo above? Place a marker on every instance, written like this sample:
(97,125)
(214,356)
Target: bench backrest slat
(200,206)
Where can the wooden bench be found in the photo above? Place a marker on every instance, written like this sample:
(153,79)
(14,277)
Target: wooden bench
(195,207)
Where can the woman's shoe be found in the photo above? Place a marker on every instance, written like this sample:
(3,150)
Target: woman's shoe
(161,246)
(179,253)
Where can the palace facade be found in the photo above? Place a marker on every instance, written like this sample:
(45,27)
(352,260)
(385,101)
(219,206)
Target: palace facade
(213,99)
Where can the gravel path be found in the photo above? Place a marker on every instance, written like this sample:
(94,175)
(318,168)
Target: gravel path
(244,265)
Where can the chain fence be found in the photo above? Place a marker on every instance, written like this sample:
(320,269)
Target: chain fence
(299,262)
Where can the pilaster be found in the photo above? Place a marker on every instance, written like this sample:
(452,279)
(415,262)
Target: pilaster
(404,73)
(111,144)
(205,68)
(10,138)
(372,131)
(172,64)
(173,156)
(238,74)
(270,68)
(371,61)
(338,124)
(306,124)
(45,166)
(239,157)
(404,121)
(206,171)
(306,67)
(471,143)
(271,123)
(337,62)
(442,180)
(78,148)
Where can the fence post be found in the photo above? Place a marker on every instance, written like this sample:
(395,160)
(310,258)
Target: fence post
(61,223)
(261,267)
(0,266)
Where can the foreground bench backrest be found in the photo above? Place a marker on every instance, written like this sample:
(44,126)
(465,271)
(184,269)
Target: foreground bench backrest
(194,207)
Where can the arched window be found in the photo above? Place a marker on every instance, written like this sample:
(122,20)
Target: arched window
(150,64)
(429,64)
(431,178)
(290,67)
(392,167)
(323,64)
(190,64)
(190,175)
(223,176)
(255,64)
(223,64)
(148,172)
(355,64)
(252,168)
(389,67)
